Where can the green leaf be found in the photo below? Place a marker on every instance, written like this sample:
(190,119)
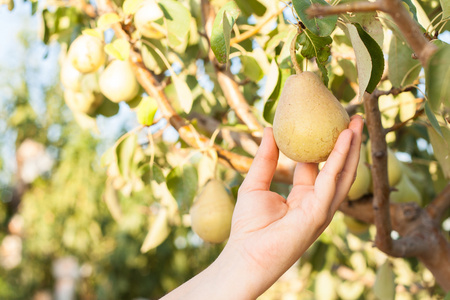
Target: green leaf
(184,94)
(107,20)
(437,78)
(315,46)
(432,118)
(249,7)
(130,7)
(158,232)
(369,21)
(369,58)
(445,4)
(146,111)
(182,183)
(124,155)
(322,26)
(151,59)
(34,7)
(177,19)
(272,80)
(411,8)
(402,69)
(272,102)
(376,55)
(111,198)
(251,68)
(221,31)
(119,49)
(441,147)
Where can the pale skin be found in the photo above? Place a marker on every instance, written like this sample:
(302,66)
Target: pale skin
(270,233)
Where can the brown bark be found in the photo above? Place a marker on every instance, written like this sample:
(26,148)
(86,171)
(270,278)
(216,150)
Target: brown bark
(408,27)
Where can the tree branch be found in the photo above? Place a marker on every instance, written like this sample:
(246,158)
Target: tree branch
(256,29)
(397,126)
(409,28)
(379,174)
(440,205)
(230,88)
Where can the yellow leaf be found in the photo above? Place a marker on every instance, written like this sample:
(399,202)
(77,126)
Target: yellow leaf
(107,20)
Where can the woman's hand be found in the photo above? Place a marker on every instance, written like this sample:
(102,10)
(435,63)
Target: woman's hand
(270,233)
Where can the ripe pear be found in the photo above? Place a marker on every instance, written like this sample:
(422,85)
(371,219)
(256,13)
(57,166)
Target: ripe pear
(211,212)
(86,53)
(70,77)
(148,20)
(407,192)
(308,119)
(394,165)
(82,102)
(118,82)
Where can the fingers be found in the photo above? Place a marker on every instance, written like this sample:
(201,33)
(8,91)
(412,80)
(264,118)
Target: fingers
(348,172)
(325,186)
(305,174)
(264,165)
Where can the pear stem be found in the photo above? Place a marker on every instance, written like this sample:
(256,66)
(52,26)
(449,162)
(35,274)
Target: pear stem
(297,68)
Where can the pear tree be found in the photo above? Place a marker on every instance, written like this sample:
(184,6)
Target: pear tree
(216,72)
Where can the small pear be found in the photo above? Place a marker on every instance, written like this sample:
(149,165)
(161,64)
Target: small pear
(394,165)
(148,20)
(118,82)
(211,213)
(407,192)
(86,53)
(361,185)
(85,102)
(308,119)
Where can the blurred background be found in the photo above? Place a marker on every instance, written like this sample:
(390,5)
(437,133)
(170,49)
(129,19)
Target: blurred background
(59,239)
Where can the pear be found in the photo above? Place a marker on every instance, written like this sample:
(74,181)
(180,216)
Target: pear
(406,192)
(394,165)
(308,119)
(355,226)
(384,286)
(149,19)
(85,102)
(211,212)
(118,82)
(86,53)
(361,185)
(70,77)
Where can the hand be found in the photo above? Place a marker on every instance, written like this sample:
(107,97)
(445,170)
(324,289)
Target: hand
(271,232)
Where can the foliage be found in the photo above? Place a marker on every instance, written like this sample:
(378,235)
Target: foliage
(153,172)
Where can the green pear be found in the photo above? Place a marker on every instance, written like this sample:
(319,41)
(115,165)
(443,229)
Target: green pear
(149,20)
(118,82)
(394,165)
(406,192)
(85,102)
(86,53)
(355,226)
(308,119)
(211,212)
(384,286)
(361,185)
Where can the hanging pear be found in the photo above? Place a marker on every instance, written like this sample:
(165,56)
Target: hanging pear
(211,213)
(308,119)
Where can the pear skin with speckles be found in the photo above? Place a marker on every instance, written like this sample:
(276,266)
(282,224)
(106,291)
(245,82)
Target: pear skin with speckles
(308,119)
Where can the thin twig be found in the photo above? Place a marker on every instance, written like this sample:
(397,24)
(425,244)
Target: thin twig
(440,204)
(256,29)
(397,126)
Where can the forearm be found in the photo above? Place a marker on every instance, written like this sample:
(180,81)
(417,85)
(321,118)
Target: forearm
(229,277)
